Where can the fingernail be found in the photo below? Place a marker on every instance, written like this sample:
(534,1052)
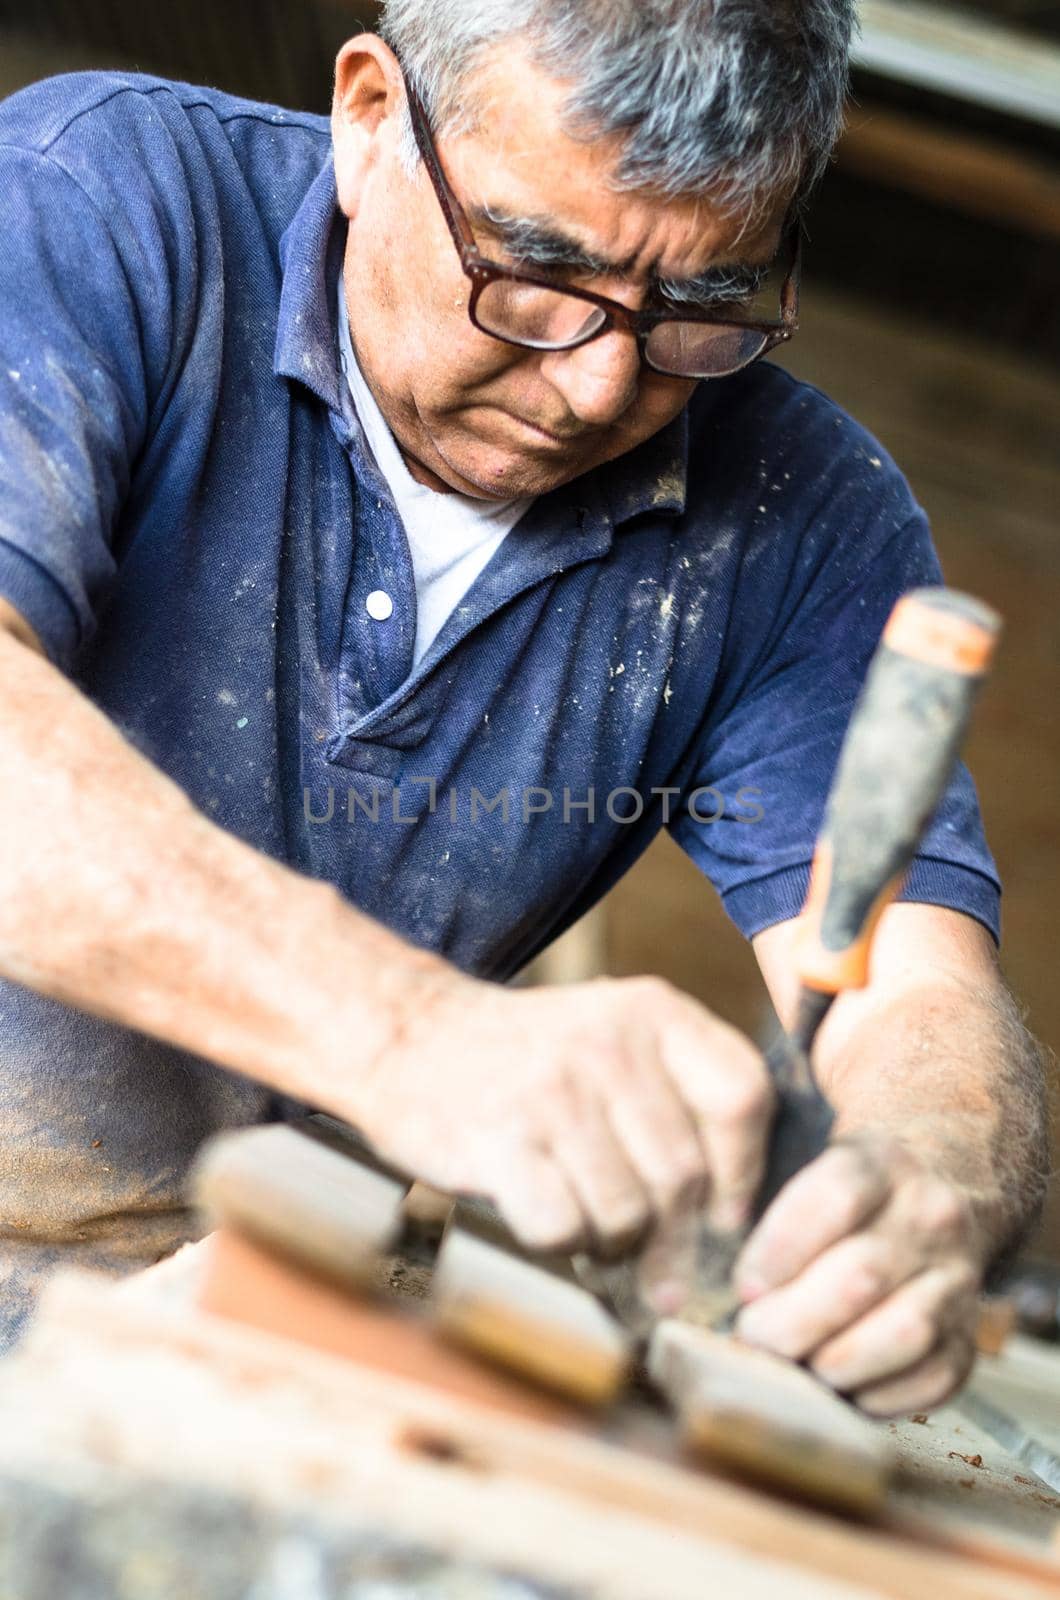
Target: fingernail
(748,1279)
(667,1297)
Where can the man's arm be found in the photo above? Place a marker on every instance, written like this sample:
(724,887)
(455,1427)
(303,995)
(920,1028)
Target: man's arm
(581,1112)
(120,898)
(869,1263)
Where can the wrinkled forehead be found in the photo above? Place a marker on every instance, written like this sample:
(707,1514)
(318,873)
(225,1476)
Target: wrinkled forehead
(512,157)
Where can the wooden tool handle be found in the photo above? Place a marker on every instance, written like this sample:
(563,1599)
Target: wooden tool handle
(314,1201)
(897,758)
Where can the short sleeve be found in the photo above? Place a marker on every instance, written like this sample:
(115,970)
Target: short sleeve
(72,399)
(767,759)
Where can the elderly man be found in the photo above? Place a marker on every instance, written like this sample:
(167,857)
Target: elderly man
(396,532)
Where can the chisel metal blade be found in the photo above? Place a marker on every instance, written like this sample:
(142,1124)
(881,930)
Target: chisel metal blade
(1006,1431)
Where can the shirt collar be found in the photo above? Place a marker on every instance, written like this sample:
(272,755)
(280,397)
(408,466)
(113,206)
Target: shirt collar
(651,477)
(311,252)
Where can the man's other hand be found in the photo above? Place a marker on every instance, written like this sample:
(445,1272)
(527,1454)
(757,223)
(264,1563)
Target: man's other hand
(584,1113)
(867,1268)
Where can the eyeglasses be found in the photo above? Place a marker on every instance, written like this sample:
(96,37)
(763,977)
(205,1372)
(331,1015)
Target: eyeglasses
(525,309)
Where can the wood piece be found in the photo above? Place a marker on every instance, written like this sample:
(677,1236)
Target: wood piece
(142,1539)
(996,1321)
(945,49)
(301,1197)
(523,1318)
(244,1281)
(427,1210)
(764,1417)
(966,173)
(206,1400)
(251,1422)
(174,1281)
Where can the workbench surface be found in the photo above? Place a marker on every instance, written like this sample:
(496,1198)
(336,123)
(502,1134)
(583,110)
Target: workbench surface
(151,1451)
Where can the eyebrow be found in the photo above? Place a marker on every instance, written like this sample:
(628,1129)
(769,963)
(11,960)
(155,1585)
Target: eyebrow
(542,244)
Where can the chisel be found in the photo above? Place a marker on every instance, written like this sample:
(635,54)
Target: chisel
(897,758)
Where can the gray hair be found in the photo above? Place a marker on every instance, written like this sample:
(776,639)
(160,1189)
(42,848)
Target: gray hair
(738,98)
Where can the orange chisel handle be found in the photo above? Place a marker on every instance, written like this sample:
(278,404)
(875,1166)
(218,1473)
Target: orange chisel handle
(899,753)
(898,756)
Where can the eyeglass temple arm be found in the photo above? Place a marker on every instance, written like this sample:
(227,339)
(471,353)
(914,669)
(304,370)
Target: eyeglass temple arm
(457,223)
(789,306)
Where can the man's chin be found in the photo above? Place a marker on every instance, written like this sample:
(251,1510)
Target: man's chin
(494,471)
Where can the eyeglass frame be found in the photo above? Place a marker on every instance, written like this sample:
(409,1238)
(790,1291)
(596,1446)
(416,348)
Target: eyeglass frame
(482,272)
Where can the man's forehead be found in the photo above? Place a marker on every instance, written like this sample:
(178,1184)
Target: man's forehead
(531,178)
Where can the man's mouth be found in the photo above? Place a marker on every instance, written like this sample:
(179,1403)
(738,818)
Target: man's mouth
(557,439)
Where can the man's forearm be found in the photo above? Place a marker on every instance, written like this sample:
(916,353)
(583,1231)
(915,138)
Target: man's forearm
(118,897)
(951,1070)
(581,1111)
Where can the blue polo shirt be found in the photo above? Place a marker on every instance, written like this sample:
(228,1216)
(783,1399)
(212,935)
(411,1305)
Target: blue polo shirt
(191,521)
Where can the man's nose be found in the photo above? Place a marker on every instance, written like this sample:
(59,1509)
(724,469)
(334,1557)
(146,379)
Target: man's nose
(597,380)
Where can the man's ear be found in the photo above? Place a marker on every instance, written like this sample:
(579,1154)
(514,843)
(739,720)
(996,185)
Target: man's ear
(368,102)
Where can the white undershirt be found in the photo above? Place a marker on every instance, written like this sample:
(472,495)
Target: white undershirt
(451,536)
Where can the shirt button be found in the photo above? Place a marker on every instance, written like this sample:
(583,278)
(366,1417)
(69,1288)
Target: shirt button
(379,605)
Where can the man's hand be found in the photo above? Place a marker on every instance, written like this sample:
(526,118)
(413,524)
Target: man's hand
(583,1112)
(867,1267)
(867,1264)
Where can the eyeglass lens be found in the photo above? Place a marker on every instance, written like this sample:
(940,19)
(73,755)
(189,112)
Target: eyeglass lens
(703,349)
(547,319)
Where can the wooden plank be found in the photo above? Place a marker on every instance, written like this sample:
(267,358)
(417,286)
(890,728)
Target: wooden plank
(750,1411)
(954,169)
(245,1282)
(523,1318)
(945,49)
(236,1414)
(298,1196)
(995,1324)
(997,1506)
(427,1210)
(285,1421)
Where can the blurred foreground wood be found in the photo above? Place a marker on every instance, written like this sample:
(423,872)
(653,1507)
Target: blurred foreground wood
(149,1449)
